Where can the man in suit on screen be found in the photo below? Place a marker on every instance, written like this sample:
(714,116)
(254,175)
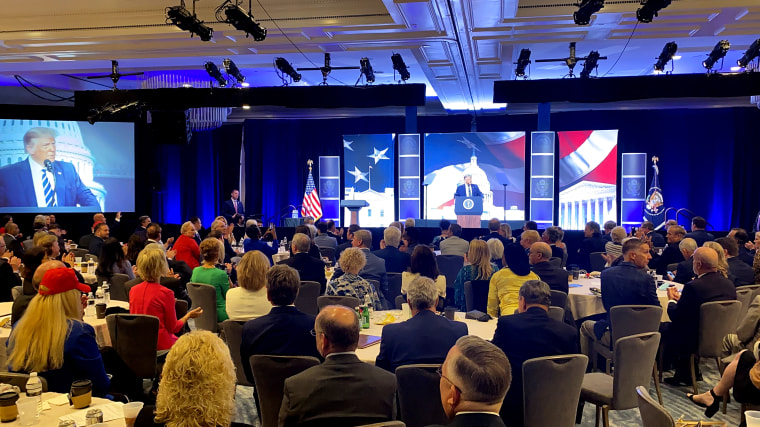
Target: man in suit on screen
(40,180)
(468,189)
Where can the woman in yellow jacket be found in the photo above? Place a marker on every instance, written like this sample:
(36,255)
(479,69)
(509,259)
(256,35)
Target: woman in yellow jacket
(505,284)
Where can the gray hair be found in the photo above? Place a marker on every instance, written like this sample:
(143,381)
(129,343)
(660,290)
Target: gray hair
(496,248)
(422,293)
(301,242)
(186,226)
(312,230)
(365,236)
(688,244)
(506,229)
(536,292)
(618,234)
(409,222)
(455,229)
(392,236)
(481,370)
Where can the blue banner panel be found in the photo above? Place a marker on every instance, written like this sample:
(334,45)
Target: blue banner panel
(329,187)
(633,189)
(409,176)
(542,178)
(369,175)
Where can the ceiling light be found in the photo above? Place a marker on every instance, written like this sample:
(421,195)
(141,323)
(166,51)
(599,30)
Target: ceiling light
(718,52)
(400,67)
(240,19)
(668,53)
(285,68)
(586,8)
(232,69)
(522,62)
(751,53)
(246,107)
(182,18)
(366,70)
(215,74)
(649,9)
(591,63)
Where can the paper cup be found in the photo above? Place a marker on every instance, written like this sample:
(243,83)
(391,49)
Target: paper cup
(27,410)
(753,418)
(131,410)
(78,259)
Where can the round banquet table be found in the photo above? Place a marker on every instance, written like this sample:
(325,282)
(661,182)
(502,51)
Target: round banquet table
(583,303)
(51,412)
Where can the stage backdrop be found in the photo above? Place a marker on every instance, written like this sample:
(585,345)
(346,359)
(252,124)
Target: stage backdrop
(492,158)
(587,177)
(369,162)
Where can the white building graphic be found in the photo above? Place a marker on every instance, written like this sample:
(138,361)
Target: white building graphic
(586,201)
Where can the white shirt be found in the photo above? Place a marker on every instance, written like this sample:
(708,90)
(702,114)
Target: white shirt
(39,190)
(244,304)
(469,191)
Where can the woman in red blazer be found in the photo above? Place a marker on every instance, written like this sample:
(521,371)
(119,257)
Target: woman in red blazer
(186,246)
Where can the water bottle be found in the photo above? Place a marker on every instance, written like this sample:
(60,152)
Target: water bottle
(368,303)
(107,292)
(100,297)
(90,310)
(34,389)
(294,214)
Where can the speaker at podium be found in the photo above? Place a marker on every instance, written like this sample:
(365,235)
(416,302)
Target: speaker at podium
(468,210)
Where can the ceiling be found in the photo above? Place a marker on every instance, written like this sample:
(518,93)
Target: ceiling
(456,47)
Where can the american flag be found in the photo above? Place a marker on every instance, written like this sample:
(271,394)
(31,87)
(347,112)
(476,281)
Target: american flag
(311,205)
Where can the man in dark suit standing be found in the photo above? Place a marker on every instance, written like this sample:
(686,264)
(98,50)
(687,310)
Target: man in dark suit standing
(41,180)
(556,278)
(309,268)
(592,243)
(285,331)
(468,189)
(395,260)
(530,333)
(426,337)
(685,269)
(233,209)
(474,379)
(672,253)
(342,391)
(99,237)
(698,232)
(682,335)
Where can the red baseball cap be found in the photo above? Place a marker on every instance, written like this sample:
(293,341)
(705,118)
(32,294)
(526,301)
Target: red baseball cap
(60,280)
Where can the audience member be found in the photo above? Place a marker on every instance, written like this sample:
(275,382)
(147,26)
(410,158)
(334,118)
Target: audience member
(33,259)
(364,394)
(142,228)
(698,232)
(593,242)
(493,228)
(608,226)
(134,245)
(530,225)
(395,260)
(12,239)
(309,268)
(333,231)
(219,226)
(9,267)
(747,333)
(722,261)
(153,234)
(113,261)
(557,278)
(323,239)
(374,268)
(186,247)
(409,222)
(505,284)
(551,237)
(444,226)
(738,271)
(424,264)
(672,253)
(647,230)
(350,283)
(99,237)
(249,300)
(353,228)
(254,242)
(528,238)
(198,227)
(529,334)
(685,269)
(741,237)
(411,238)
(496,249)
(614,248)
(208,273)
(479,267)
(455,245)
(506,231)
(313,249)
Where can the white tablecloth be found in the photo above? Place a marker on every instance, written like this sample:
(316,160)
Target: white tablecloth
(583,303)
(50,416)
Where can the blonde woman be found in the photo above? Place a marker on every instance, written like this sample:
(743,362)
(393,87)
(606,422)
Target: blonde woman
(212,252)
(722,263)
(249,300)
(351,261)
(198,383)
(52,340)
(186,247)
(480,268)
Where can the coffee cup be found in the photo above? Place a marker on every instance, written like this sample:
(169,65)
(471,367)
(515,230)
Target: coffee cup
(449,312)
(100,310)
(81,393)
(8,408)
(131,411)
(576,274)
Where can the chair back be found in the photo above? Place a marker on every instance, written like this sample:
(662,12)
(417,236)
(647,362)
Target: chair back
(555,379)
(328,253)
(204,296)
(634,358)
(350,302)
(557,313)
(16,292)
(118,290)
(233,332)
(555,262)
(755,289)
(476,295)
(673,267)
(306,301)
(28,244)
(269,374)
(180,308)
(90,257)
(399,302)
(80,252)
(596,260)
(415,385)
(627,320)
(394,286)
(744,296)
(652,413)
(135,339)
(19,380)
(559,299)
(385,424)
(716,320)
(449,266)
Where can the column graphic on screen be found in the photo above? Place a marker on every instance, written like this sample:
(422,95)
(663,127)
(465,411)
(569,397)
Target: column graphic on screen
(369,162)
(587,177)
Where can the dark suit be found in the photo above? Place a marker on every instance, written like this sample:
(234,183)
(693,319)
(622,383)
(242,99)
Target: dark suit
(309,268)
(594,243)
(8,280)
(342,391)
(425,338)
(657,239)
(557,252)
(342,247)
(285,331)
(462,191)
(17,186)
(142,232)
(701,236)
(495,235)
(625,284)
(96,245)
(228,210)
(745,255)
(475,420)
(525,336)
(740,272)
(685,271)
(84,241)
(556,278)
(395,260)
(670,255)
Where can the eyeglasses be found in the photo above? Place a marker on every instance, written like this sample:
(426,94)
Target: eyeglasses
(314,332)
(439,371)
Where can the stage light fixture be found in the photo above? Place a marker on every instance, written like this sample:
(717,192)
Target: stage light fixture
(214,73)
(591,62)
(718,52)
(668,52)
(131,110)
(284,66)
(184,20)
(522,62)
(649,9)
(231,69)
(366,70)
(751,53)
(586,8)
(232,14)
(400,66)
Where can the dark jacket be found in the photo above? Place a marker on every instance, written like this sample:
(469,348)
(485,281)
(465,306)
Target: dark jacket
(309,268)
(701,236)
(395,260)
(685,271)
(670,255)
(594,243)
(625,284)
(739,272)
(556,278)
(473,419)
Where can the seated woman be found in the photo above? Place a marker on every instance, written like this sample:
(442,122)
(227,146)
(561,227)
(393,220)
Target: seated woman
(135,244)
(480,268)
(52,340)
(496,249)
(211,252)
(186,246)
(614,248)
(113,261)
(505,230)
(423,264)
(505,284)
(722,263)
(49,243)
(743,374)
(149,297)
(249,300)
(351,261)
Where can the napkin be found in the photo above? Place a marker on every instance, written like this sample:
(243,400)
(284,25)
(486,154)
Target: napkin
(58,400)
(111,411)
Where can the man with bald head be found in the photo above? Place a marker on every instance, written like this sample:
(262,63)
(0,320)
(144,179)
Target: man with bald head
(22,301)
(555,277)
(682,335)
(342,391)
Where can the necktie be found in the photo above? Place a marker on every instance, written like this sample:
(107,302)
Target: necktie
(469,191)
(236,207)
(48,190)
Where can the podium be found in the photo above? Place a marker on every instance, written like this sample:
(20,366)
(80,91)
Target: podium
(354,206)
(468,210)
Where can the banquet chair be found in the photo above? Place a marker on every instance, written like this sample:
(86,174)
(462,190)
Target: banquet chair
(673,266)
(349,302)
(449,266)
(555,379)
(28,244)
(716,320)
(132,283)
(559,299)
(269,374)
(306,301)
(19,380)
(328,253)
(180,307)
(476,295)
(385,424)
(555,262)
(744,296)
(557,313)
(633,357)
(90,257)
(204,296)
(79,252)
(399,301)
(416,384)
(652,413)
(597,262)
(233,332)
(118,290)
(16,292)
(394,286)
(134,337)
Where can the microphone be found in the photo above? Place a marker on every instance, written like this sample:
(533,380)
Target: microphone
(48,165)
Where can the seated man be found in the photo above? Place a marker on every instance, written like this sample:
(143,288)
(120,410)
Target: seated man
(254,242)
(738,271)
(530,333)
(557,278)
(474,379)
(528,238)
(323,238)
(454,245)
(551,237)
(342,391)
(741,237)
(395,260)
(672,253)
(309,268)
(99,237)
(647,229)
(593,242)
(698,233)
(685,269)
(426,337)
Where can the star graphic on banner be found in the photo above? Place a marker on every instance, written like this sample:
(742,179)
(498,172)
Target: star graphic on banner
(358,175)
(378,155)
(347,144)
(469,144)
